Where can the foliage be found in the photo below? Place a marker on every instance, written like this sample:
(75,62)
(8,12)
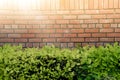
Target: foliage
(51,63)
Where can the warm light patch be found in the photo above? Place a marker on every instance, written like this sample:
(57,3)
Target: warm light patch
(20,4)
(24,4)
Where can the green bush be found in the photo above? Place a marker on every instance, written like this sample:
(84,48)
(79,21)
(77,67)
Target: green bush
(50,63)
(102,63)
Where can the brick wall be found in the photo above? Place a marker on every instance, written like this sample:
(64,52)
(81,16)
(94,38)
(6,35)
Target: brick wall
(64,23)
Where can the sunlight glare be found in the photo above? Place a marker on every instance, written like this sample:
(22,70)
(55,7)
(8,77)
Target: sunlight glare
(20,4)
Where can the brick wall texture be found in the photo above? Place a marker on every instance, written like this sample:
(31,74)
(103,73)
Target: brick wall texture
(63,23)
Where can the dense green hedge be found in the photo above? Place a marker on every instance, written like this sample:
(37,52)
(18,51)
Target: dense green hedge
(50,63)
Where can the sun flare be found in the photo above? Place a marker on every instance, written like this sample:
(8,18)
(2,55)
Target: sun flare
(19,4)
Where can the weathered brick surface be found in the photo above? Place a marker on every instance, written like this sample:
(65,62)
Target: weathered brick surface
(63,23)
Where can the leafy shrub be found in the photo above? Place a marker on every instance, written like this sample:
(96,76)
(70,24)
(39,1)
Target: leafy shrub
(50,63)
(102,63)
(37,64)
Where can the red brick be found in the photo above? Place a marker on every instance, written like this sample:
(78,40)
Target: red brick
(21,22)
(20,40)
(62,22)
(36,26)
(63,26)
(117,10)
(49,39)
(91,30)
(114,25)
(77,30)
(51,26)
(21,26)
(106,25)
(106,30)
(106,20)
(63,12)
(84,35)
(64,45)
(57,44)
(98,16)
(117,39)
(92,44)
(28,35)
(117,30)
(21,31)
(3,35)
(63,39)
(34,31)
(117,20)
(76,21)
(34,22)
(118,25)
(91,26)
(99,26)
(91,11)
(84,44)
(77,26)
(56,26)
(56,35)
(77,39)
(91,39)
(71,45)
(29,44)
(7,26)
(42,26)
(6,40)
(70,26)
(77,12)
(14,26)
(91,21)
(107,11)
(99,44)
(48,31)
(6,31)
(42,35)
(1,26)
(42,17)
(6,22)
(113,16)
(47,22)
(70,17)
(14,35)
(56,17)
(70,35)
(62,30)
(84,17)
(35,40)
(84,26)
(107,39)
(99,35)
(42,44)
(37,45)
(113,34)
